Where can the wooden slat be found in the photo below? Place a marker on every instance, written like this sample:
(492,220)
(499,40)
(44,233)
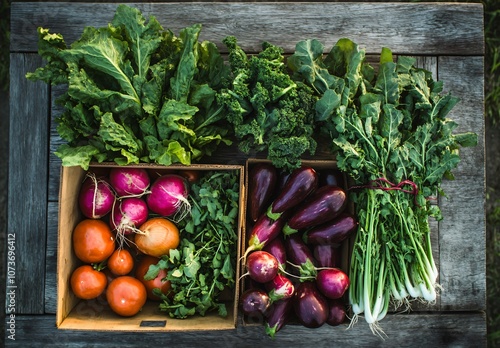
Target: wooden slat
(27,196)
(415,330)
(51,259)
(429,29)
(462,232)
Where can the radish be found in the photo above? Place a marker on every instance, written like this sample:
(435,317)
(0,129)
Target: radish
(128,215)
(332,282)
(129,181)
(261,266)
(280,288)
(96,197)
(169,195)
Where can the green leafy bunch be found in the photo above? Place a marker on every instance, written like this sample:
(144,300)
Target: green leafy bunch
(268,110)
(135,92)
(204,264)
(391,133)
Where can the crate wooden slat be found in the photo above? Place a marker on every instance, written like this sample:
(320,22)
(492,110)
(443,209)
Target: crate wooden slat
(446,39)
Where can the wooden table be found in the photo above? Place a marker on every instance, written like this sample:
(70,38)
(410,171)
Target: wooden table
(447,40)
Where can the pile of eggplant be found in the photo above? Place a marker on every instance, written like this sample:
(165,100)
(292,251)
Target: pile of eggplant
(297,222)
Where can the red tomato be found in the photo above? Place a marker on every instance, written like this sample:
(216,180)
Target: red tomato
(142,269)
(126,296)
(87,283)
(93,241)
(120,262)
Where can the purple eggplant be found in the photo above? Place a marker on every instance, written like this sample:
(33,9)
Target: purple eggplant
(276,247)
(279,288)
(332,282)
(261,187)
(327,255)
(336,312)
(332,232)
(278,315)
(255,302)
(299,254)
(324,205)
(264,231)
(301,183)
(310,306)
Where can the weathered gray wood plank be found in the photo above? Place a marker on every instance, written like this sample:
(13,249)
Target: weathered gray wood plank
(27,196)
(414,330)
(462,232)
(429,29)
(51,259)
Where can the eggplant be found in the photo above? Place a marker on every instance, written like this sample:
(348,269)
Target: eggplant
(264,231)
(327,255)
(278,315)
(336,312)
(332,232)
(301,183)
(331,177)
(310,306)
(325,204)
(255,302)
(301,256)
(261,187)
(276,247)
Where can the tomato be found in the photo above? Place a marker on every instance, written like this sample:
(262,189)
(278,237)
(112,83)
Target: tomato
(93,241)
(126,295)
(142,269)
(87,283)
(120,262)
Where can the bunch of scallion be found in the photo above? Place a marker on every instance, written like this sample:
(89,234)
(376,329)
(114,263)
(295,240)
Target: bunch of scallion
(392,136)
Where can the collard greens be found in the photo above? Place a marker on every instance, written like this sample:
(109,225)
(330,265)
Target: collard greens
(135,92)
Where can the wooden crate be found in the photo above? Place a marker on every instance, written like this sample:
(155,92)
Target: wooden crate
(447,39)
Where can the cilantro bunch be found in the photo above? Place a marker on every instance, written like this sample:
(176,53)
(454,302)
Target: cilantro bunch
(391,133)
(268,110)
(135,92)
(204,264)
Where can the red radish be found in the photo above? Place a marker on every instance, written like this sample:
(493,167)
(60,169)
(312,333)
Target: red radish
(169,195)
(336,312)
(310,306)
(96,197)
(261,266)
(128,215)
(332,282)
(129,181)
(280,288)
(254,301)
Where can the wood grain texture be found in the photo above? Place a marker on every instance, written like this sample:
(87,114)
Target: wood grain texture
(414,330)
(430,29)
(27,194)
(50,290)
(462,238)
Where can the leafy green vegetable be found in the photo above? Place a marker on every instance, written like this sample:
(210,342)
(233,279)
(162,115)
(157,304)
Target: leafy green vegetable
(204,264)
(135,92)
(268,110)
(391,133)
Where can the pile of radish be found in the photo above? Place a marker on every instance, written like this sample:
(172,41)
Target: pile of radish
(292,259)
(129,222)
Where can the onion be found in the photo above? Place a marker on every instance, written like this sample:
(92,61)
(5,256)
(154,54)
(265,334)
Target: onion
(168,196)
(157,236)
(96,198)
(128,215)
(129,181)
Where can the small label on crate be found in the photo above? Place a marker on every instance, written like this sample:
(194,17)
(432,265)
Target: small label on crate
(153,323)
